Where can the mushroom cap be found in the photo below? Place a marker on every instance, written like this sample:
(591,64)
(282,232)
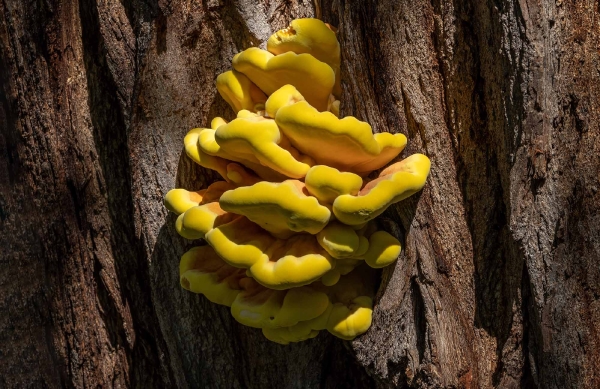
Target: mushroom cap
(292,262)
(334,108)
(331,277)
(266,308)
(196,222)
(202,271)
(302,331)
(346,144)
(197,155)
(280,208)
(215,191)
(343,266)
(274,263)
(347,321)
(383,250)
(313,78)
(287,335)
(239,92)
(310,36)
(348,315)
(180,200)
(240,242)
(395,183)
(339,240)
(258,140)
(352,299)
(284,315)
(282,97)
(327,183)
(208,145)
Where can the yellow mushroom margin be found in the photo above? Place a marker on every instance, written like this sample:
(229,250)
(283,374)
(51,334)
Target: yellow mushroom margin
(239,92)
(202,271)
(280,208)
(275,263)
(255,141)
(327,183)
(314,79)
(347,144)
(395,183)
(310,36)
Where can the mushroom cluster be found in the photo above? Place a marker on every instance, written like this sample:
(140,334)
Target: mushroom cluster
(291,242)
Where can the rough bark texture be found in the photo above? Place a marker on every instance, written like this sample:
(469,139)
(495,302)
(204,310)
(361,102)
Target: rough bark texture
(497,285)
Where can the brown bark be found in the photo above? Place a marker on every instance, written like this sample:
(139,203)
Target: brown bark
(497,285)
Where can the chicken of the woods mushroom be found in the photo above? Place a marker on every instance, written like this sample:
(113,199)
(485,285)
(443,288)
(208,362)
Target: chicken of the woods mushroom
(291,240)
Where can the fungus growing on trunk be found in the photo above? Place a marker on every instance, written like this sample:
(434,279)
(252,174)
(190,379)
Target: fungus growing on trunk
(280,208)
(239,92)
(346,144)
(395,183)
(310,36)
(313,78)
(291,246)
(327,183)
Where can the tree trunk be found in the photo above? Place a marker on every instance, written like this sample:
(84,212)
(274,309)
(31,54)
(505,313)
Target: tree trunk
(497,285)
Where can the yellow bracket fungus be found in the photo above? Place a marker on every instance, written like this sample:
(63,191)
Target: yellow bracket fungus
(202,271)
(334,108)
(351,319)
(255,142)
(266,308)
(327,183)
(209,146)
(197,155)
(196,222)
(281,209)
(340,240)
(313,78)
(343,266)
(275,263)
(179,201)
(304,330)
(383,250)
(291,246)
(282,97)
(284,315)
(394,184)
(346,144)
(240,176)
(239,92)
(352,299)
(310,36)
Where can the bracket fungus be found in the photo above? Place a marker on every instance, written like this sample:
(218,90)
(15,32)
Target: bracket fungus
(327,183)
(310,36)
(346,144)
(291,245)
(255,142)
(280,208)
(239,92)
(313,78)
(276,263)
(395,183)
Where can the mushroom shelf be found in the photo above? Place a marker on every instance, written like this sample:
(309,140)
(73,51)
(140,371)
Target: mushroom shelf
(291,245)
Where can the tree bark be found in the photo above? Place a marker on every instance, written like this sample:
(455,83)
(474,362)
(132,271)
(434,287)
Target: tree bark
(497,285)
